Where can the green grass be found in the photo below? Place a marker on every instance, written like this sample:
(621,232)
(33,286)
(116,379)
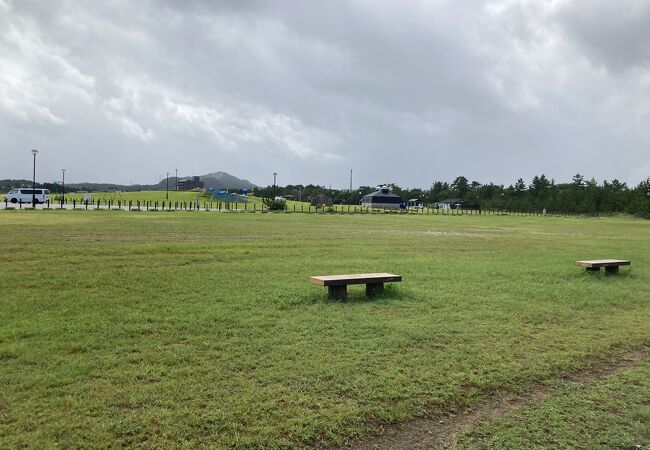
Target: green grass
(160,196)
(143,196)
(603,414)
(188,329)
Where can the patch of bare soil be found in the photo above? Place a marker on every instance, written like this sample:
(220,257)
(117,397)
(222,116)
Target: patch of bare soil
(443,431)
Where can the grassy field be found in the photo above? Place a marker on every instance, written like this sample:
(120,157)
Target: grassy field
(160,196)
(151,196)
(603,414)
(187,329)
(143,196)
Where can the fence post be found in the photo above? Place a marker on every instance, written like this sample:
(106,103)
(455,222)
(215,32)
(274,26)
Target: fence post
(20,204)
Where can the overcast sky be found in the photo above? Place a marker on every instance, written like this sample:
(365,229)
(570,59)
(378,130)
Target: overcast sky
(399,91)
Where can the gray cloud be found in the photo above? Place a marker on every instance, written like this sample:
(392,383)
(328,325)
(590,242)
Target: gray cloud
(613,34)
(122,91)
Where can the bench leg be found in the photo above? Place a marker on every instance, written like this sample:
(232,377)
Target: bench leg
(373,289)
(593,269)
(337,292)
(611,270)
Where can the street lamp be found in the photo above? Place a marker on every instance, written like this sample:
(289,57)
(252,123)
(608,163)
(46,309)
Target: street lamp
(167,191)
(63,171)
(34,152)
(274,189)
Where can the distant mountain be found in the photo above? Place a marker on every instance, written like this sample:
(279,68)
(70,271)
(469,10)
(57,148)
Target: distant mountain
(223,180)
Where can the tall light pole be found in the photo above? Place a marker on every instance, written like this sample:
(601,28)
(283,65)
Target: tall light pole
(176,179)
(167,191)
(274,189)
(63,171)
(34,152)
(350,181)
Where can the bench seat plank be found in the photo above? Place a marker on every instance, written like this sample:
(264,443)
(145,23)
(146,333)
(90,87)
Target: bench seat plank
(604,263)
(358,278)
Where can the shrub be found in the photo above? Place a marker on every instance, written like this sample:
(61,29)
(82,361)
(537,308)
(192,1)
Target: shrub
(275,204)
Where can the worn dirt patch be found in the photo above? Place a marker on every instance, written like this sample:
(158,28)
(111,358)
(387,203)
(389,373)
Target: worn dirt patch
(443,431)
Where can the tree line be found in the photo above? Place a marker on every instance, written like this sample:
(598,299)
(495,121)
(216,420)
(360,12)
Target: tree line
(581,195)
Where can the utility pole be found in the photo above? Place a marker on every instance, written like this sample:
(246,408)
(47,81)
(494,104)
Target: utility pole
(34,152)
(176,179)
(63,171)
(167,192)
(350,180)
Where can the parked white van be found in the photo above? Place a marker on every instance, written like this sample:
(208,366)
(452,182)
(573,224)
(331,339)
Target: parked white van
(25,195)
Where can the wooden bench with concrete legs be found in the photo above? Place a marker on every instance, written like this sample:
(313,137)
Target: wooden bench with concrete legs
(611,265)
(337,285)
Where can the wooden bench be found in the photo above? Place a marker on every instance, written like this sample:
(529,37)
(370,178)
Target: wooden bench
(337,285)
(611,265)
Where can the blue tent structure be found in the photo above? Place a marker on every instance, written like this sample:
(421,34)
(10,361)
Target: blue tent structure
(224,196)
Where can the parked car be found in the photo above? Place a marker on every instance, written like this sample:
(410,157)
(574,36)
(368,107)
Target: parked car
(25,195)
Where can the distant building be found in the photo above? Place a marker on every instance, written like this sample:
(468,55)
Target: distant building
(381,198)
(450,203)
(225,196)
(188,184)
